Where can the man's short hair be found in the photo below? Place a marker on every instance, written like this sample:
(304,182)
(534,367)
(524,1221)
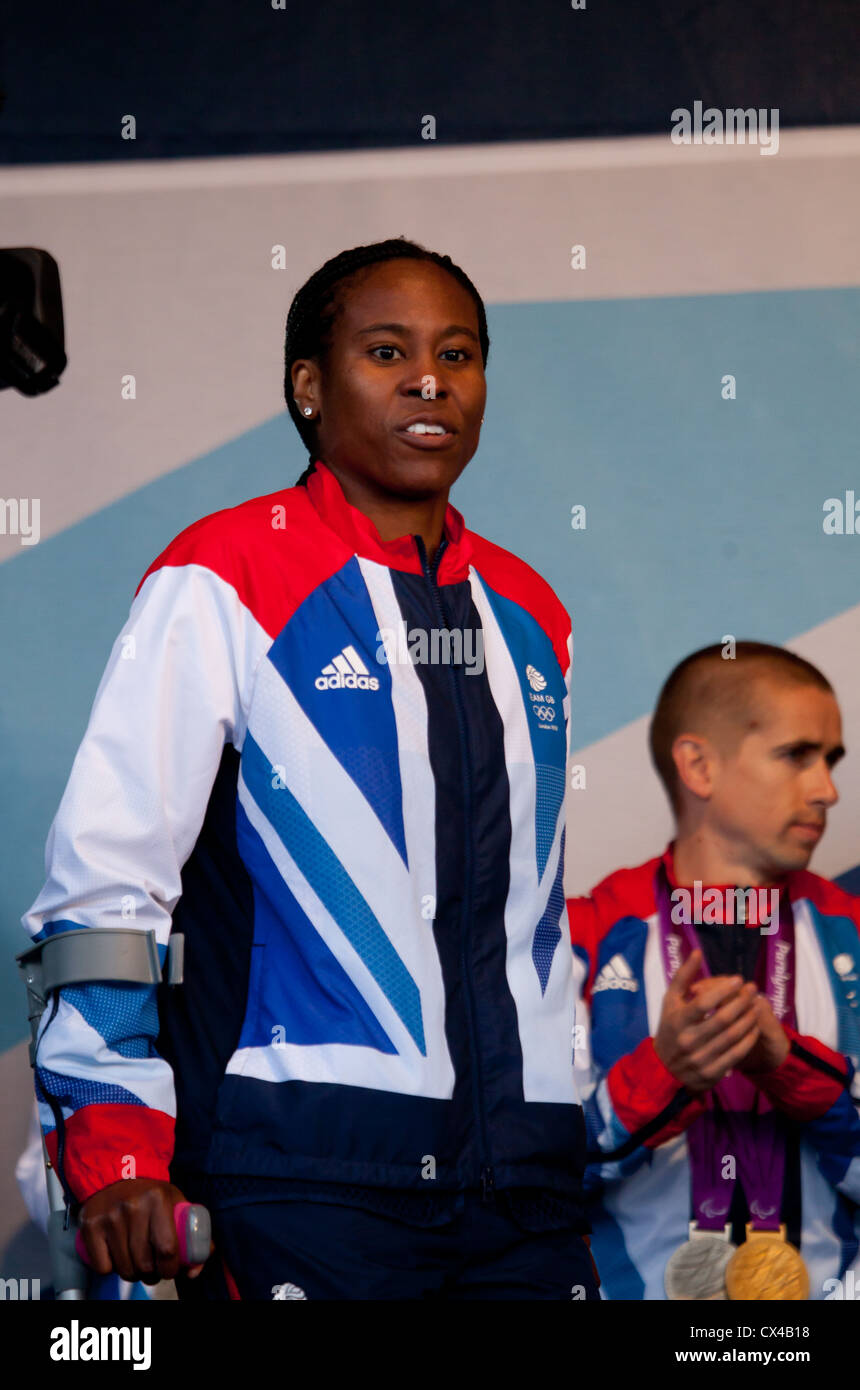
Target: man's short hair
(720,697)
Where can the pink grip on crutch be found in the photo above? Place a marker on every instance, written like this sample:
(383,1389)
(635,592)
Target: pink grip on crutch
(193,1228)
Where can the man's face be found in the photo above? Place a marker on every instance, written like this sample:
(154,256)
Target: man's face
(372,381)
(770,798)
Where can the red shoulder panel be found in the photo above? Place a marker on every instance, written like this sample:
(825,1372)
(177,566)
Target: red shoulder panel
(513,578)
(828,897)
(584,928)
(274,551)
(626,893)
(623,893)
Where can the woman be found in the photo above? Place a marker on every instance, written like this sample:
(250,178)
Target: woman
(366,712)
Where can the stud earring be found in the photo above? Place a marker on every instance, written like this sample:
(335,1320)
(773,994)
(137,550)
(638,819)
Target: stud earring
(308,410)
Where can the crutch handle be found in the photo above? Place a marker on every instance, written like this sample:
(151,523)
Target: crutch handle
(193,1228)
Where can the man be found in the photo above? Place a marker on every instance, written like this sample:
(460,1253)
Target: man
(717,1056)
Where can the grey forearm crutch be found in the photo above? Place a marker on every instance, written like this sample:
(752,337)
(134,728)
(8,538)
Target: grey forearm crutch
(88,955)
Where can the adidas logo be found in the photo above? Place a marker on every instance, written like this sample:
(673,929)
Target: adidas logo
(346,671)
(616,974)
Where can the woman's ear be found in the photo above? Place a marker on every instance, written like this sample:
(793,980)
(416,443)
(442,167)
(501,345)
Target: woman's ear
(307,382)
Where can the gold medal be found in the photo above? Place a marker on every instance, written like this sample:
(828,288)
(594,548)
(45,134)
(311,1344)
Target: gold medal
(766,1267)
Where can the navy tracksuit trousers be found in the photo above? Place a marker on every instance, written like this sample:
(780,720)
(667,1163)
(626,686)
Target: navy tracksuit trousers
(272,1250)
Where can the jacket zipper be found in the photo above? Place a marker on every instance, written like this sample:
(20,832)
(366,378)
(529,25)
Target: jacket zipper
(487,1177)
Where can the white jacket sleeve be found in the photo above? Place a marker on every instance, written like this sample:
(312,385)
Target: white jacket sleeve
(175,689)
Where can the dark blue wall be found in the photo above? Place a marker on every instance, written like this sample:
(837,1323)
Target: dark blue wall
(219,78)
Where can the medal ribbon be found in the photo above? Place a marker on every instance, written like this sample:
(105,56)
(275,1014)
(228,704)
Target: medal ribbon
(736,1107)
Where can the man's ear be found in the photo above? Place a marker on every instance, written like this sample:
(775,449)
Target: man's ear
(694,757)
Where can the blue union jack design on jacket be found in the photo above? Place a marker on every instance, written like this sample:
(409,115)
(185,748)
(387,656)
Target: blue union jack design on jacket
(365,858)
(637,1113)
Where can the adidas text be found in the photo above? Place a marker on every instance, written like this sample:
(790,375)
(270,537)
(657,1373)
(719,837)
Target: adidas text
(346,671)
(616,974)
(339,681)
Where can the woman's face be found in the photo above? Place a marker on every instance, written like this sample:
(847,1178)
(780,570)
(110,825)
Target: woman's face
(423,361)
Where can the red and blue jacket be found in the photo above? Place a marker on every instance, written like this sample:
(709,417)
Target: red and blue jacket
(637,1112)
(361,838)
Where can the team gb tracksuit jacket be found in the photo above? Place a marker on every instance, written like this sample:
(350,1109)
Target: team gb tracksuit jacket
(365,857)
(638,1113)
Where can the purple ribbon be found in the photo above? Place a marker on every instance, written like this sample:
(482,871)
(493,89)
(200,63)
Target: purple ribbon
(737,1111)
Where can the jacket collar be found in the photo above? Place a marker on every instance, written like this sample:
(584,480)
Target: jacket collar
(359,533)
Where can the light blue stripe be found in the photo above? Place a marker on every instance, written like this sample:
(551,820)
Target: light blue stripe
(335,889)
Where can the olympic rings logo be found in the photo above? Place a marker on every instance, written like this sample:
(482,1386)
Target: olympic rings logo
(545,712)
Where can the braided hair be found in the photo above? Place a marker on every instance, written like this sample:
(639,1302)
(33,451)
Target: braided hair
(316,306)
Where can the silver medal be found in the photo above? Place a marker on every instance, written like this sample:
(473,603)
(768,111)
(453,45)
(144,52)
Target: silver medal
(697,1269)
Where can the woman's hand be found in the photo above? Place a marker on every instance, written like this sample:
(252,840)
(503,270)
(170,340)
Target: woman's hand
(129,1227)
